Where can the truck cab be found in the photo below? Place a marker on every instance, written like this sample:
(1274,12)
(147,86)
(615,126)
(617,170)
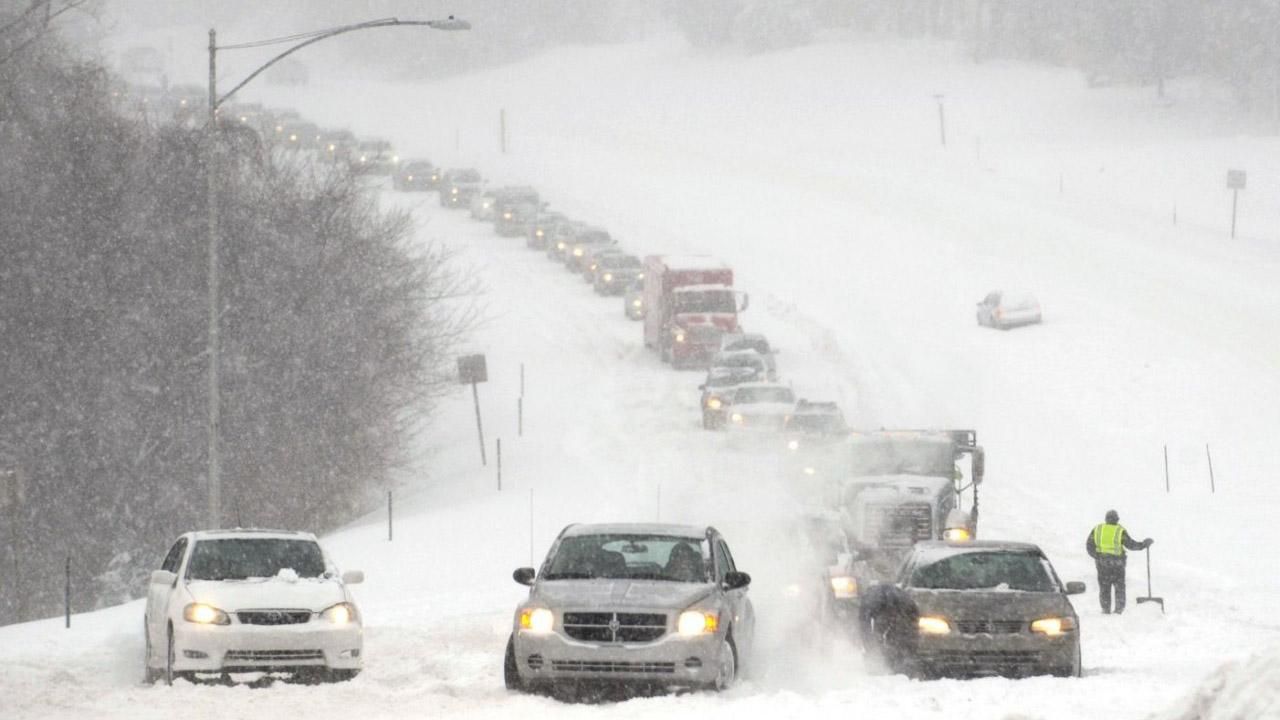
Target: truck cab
(690,303)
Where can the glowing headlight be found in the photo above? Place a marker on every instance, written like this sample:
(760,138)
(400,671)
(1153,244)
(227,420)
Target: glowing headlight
(538,620)
(202,614)
(363,158)
(608,277)
(637,302)
(341,614)
(538,233)
(1053,627)
(679,337)
(453,190)
(844,587)
(714,403)
(640,276)
(484,205)
(506,216)
(293,138)
(395,158)
(810,470)
(332,147)
(933,626)
(434,178)
(577,252)
(279,128)
(793,444)
(737,418)
(694,622)
(409,177)
(560,246)
(956,535)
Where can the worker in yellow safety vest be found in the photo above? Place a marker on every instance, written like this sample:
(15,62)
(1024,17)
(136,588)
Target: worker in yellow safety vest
(1106,545)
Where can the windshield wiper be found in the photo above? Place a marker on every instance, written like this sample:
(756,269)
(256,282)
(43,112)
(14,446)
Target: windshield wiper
(569,576)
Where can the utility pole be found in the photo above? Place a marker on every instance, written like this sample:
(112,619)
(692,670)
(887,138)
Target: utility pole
(211,188)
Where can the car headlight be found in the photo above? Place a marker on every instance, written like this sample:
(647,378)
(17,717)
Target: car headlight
(793,444)
(506,216)
(538,233)
(714,403)
(810,470)
(293,138)
(695,622)
(844,587)
(341,614)
(332,147)
(537,620)
(957,534)
(559,246)
(577,252)
(737,418)
(640,276)
(679,337)
(608,277)
(202,614)
(363,158)
(453,190)
(395,158)
(434,178)
(1053,627)
(637,302)
(410,177)
(933,626)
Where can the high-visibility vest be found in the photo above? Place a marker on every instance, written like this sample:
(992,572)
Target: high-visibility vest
(1108,539)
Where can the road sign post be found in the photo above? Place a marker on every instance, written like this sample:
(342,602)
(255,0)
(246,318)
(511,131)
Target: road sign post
(1236,180)
(472,370)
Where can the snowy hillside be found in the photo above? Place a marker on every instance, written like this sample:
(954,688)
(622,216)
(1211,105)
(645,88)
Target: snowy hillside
(864,245)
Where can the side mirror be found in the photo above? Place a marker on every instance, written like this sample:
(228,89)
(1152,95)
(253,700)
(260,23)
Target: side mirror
(524,575)
(1075,587)
(352,577)
(162,577)
(746,302)
(734,580)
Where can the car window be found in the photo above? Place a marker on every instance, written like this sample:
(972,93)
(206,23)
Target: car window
(763,395)
(630,556)
(244,558)
(724,561)
(1014,571)
(173,560)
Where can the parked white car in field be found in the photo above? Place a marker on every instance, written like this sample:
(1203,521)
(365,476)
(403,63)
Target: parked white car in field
(228,601)
(1003,310)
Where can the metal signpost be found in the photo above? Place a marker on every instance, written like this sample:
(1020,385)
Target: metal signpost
(1235,183)
(472,370)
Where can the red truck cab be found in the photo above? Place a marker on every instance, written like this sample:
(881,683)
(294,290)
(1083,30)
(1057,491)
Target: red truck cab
(690,302)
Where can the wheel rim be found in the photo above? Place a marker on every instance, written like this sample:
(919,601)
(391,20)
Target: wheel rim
(728,666)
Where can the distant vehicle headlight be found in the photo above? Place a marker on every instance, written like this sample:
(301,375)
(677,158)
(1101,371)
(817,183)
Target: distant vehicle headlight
(341,614)
(332,147)
(810,470)
(202,614)
(793,444)
(679,337)
(409,177)
(933,626)
(844,587)
(560,246)
(395,158)
(714,403)
(453,190)
(537,620)
(637,302)
(1053,627)
(538,233)
(434,178)
(363,158)
(608,277)
(293,137)
(506,216)
(577,252)
(695,622)
(737,418)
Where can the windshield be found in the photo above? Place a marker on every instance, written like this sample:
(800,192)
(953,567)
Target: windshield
(763,395)
(902,456)
(242,558)
(737,376)
(740,360)
(618,262)
(634,557)
(1022,571)
(705,301)
(592,237)
(760,345)
(465,176)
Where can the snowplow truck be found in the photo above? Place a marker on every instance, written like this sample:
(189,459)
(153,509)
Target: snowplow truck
(690,302)
(905,486)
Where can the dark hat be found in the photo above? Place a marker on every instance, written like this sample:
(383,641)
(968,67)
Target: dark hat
(1113,516)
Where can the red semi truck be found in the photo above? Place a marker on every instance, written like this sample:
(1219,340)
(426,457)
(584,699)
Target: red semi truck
(689,303)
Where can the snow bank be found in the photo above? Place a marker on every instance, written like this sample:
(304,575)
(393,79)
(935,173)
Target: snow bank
(1246,690)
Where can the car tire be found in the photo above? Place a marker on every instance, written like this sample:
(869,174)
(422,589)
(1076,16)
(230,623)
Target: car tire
(337,675)
(1076,669)
(510,672)
(727,671)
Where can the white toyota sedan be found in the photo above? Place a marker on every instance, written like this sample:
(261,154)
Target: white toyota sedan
(232,601)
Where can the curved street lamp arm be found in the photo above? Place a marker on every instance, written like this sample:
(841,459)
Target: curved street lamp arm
(337,31)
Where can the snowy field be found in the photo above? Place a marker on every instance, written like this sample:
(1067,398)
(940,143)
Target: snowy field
(819,176)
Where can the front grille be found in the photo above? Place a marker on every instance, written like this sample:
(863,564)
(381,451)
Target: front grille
(607,627)
(984,658)
(271,656)
(904,524)
(273,617)
(990,627)
(605,666)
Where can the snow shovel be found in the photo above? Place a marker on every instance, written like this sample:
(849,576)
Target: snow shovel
(1149,597)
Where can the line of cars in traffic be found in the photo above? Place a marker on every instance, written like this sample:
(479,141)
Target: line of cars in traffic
(891,552)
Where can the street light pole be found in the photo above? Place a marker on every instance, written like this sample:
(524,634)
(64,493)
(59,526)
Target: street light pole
(211,188)
(215,321)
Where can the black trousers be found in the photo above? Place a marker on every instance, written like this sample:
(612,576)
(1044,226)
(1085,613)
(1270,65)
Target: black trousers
(1111,576)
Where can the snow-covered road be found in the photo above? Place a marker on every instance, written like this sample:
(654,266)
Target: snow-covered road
(864,249)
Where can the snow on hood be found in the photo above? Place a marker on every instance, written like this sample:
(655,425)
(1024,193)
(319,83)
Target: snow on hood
(313,594)
(617,594)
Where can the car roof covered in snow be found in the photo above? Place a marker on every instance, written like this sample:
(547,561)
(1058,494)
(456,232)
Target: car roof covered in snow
(685,531)
(692,262)
(245,533)
(934,550)
(700,288)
